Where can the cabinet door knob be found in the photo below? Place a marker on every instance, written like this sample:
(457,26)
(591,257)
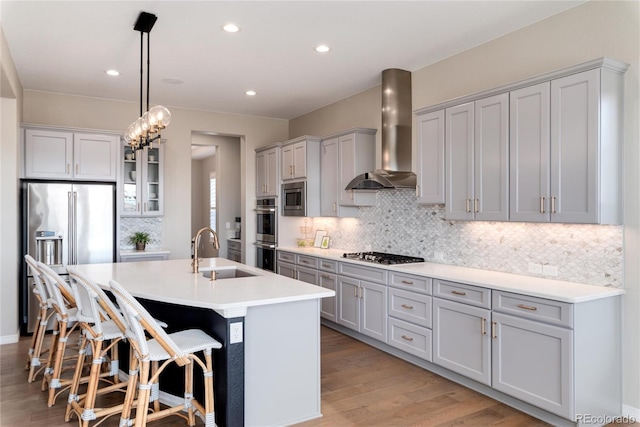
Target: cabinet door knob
(493,330)
(468,203)
(483,329)
(476,202)
(553,204)
(541,204)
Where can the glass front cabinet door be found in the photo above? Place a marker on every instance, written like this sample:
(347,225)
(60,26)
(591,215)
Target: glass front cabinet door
(142,181)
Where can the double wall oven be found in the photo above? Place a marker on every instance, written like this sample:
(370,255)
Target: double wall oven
(266,233)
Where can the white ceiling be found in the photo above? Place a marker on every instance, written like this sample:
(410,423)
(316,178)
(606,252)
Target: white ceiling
(66,47)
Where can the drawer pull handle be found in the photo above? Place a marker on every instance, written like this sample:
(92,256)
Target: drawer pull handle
(493,330)
(458,293)
(483,328)
(304,261)
(404,337)
(324,276)
(326,266)
(527,307)
(407,282)
(408,307)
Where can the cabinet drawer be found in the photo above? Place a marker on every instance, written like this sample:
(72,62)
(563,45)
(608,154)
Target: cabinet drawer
(544,310)
(307,261)
(410,282)
(287,257)
(411,338)
(410,306)
(364,273)
(234,246)
(308,275)
(285,269)
(472,295)
(327,265)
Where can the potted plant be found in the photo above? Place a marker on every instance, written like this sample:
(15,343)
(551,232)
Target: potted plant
(140,239)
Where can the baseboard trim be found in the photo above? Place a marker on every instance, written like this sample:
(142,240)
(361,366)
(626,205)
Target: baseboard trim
(10,339)
(629,412)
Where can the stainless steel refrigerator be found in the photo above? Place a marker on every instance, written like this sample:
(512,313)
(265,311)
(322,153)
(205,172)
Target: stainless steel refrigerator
(63,224)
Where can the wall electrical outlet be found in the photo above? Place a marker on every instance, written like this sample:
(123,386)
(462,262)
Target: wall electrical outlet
(235,332)
(535,268)
(438,256)
(550,270)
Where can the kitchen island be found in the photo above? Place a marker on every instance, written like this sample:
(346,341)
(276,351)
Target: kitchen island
(268,371)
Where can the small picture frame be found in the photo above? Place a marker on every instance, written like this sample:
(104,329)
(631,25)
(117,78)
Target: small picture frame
(318,240)
(325,242)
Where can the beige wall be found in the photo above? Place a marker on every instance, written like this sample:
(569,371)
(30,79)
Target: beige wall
(10,116)
(80,112)
(589,31)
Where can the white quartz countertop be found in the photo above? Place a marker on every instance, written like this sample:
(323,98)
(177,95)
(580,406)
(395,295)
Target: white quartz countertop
(526,285)
(173,282)
(147,251)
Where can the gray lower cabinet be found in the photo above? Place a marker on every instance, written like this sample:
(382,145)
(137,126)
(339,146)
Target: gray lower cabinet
(286,269)
(461,342)
(328,305)
(533,361)
(309,275)
(362,305)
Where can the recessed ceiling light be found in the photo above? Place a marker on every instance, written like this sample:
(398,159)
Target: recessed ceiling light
(231,28)
(250,93)
(323,48)
(113,72)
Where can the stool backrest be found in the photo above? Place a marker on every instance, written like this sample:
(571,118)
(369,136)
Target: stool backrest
(60,295)
(139,320)
(94,305)
(39,288)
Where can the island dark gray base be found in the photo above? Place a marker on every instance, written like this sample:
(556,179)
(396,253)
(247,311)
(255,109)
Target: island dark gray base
(228,371)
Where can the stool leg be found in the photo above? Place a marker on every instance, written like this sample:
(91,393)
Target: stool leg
(131,390)
(143,394)
(54,383)
(88,413)
(75,382)
(209,407)
(53,346)
(188,392)
(36,345)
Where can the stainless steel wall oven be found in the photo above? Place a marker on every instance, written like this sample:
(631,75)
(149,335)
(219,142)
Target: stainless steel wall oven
(266,233)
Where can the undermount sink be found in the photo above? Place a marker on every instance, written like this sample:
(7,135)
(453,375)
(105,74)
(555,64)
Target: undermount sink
(226,273)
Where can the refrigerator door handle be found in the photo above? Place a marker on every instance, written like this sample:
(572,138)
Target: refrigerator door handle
(75,228)
(70,230)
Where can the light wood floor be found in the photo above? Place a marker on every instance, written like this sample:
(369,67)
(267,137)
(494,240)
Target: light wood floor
(361,386)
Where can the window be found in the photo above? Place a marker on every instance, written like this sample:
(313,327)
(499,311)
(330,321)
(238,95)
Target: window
(212,200)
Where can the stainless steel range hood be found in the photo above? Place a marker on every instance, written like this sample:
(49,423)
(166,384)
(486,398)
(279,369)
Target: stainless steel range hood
(396,137)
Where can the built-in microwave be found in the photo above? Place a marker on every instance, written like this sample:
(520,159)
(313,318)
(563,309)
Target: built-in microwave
(294,196)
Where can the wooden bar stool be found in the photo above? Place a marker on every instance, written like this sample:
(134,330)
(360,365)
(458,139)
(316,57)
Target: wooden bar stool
(64,305)
(102,326)
(179,347)
(45,311)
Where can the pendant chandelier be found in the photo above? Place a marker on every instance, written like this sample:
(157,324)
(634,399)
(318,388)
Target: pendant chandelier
(146,129)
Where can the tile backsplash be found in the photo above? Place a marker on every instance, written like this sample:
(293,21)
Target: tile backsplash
(397,224)
(129,225)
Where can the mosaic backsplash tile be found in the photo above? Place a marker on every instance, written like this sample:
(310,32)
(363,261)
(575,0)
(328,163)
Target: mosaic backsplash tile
(397,224)
(151,225)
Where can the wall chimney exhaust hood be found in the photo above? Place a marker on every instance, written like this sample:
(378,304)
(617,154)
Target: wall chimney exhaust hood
(396,137)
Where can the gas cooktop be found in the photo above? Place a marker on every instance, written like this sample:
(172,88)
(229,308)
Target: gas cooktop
(381,258)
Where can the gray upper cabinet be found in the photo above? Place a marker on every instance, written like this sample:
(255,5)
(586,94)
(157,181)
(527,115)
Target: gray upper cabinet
(267,169)
(56,154)
(546,149)
(343,156)
(477,178)
(566,149)
(529,150)
(430,158)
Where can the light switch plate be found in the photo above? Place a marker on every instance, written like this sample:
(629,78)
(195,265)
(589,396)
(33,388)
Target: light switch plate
(535,268)
(550,270)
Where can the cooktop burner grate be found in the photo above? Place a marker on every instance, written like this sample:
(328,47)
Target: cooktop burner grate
(382,258)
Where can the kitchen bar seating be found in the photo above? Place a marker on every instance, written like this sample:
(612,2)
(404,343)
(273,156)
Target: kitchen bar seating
(102,325)
(63,302)
(179,347)
(45,311)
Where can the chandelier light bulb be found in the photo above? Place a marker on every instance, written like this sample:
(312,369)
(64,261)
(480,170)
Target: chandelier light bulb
(162,116)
